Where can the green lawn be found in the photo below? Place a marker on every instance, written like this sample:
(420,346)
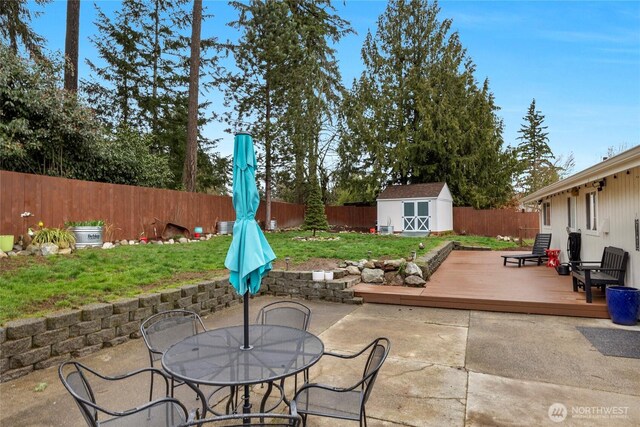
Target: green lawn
(35,285)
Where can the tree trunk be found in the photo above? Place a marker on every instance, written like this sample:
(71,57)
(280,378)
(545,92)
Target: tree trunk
(267,157)
(71,46)
(191,155)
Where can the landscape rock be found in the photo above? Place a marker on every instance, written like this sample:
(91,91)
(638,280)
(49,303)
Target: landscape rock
(3,255)
(12,253)
(132,242)
(183,240)
(33,248)
(372,275)
(17,247)
(411,269)
(143,242)
(392,264)
(108,245)
(23,253)
(65,251)
(48,249)
(393,278)
(342,265)
(160,242)
(369,264)
(415,281)
(353,270)
(124,242)
(171,241)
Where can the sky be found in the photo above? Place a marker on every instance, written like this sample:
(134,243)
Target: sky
(580,60)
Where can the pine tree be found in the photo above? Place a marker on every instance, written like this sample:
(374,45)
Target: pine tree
(287,81)
(534,154)
(417,114)
(15,18)
(315,217)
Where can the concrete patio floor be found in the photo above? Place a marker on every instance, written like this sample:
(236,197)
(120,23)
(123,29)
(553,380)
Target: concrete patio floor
(446,368)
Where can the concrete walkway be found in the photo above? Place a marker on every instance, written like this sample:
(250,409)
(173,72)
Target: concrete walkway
(446,368)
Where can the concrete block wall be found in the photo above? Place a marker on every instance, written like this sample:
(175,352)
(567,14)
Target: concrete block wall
(38,343)
(430,262)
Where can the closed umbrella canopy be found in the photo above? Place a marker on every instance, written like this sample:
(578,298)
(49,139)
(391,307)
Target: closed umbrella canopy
(249,257)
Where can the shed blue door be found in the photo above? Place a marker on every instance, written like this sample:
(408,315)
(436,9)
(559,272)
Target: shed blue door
(416,216)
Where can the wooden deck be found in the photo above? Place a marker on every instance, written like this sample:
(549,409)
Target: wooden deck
(477,280)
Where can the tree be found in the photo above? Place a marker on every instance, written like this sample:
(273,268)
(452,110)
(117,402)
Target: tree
(417,114)
(71,46)
(286,81)
(534,154)
(46,130)
(15,18)
(315,217)
(190,159)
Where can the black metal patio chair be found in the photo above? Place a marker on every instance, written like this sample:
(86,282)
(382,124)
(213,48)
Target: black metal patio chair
(166,328)
(286,313)
(347,403)
(238,420)
(166,411)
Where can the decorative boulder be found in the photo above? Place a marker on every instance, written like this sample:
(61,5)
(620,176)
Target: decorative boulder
(372,275)
(183,240)
(392,264)
(392,278)
(415,282)
(353,270)
(108,245)
(48,249)
(412,269)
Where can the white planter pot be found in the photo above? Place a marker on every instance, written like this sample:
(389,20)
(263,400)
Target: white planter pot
(318,276)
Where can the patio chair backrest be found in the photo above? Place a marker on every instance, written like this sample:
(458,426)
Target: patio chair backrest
(77,385)
(285,313)
(542,242)
(615,258)
(164,329)
(378,355)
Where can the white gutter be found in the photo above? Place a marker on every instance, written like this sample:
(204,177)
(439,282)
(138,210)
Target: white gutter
(626,160)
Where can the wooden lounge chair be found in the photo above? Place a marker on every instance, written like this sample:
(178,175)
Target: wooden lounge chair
(542,242)
(610,271)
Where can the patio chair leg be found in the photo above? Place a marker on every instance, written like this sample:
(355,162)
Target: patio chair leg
(587,285)
(575,284)
(151,388)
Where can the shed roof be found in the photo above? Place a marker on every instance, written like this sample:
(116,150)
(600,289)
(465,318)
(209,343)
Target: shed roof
(410,191)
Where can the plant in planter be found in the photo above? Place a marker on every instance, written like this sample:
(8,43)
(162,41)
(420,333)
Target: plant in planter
(58,236)
(87,233)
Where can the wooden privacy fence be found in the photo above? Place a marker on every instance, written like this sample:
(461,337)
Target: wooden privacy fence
(129,211)
(493,222)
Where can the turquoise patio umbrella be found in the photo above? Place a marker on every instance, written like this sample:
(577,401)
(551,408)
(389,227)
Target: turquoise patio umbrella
(249,257)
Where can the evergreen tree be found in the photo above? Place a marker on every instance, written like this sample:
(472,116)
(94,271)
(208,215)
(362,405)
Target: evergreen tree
(315,217)
(417,114)
(535,156)
(191,155)
(287,81)
(15,30)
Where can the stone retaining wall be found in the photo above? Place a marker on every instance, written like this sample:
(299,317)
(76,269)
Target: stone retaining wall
(430,262)
(38,343)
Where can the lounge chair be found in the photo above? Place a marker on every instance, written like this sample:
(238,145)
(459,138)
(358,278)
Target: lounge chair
(542,242)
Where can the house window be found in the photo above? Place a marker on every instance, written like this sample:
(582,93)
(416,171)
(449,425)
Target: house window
(546,213)
(591,204)
(571,212)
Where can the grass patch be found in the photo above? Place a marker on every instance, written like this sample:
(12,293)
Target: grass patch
(35,285)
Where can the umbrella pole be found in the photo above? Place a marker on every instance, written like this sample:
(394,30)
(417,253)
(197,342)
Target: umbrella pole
(246,407)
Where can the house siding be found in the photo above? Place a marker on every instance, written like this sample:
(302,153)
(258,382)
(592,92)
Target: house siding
(618,207)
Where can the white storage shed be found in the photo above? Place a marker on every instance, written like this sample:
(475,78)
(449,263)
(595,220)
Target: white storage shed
(415,208)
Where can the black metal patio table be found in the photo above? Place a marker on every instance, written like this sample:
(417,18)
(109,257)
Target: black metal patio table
(217,358)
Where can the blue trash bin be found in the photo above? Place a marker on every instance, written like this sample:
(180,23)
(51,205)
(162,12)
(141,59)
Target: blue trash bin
(623,303)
